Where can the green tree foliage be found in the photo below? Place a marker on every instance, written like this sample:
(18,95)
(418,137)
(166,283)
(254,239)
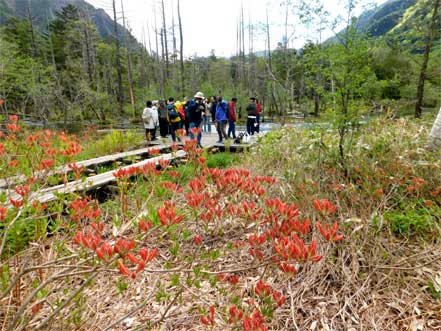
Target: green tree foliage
(67,72)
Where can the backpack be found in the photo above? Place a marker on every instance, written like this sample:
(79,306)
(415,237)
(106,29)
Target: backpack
(172,111)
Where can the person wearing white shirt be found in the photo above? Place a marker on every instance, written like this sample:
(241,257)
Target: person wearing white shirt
(150,120)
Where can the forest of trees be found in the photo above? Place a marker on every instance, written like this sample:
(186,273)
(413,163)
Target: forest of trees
(68,72)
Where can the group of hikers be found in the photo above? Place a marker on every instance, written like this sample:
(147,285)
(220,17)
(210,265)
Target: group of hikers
(196,115)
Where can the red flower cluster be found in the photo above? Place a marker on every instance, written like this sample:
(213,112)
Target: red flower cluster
(295,249)
(330,234)
(254,322)
(212,210)
(288,268)
(149,168)
(197,184)
(173,174)
(232,279)
(83,210)
(144,225)
(13,127)
(16,203)
(140,263)
(197,240)
(167,214)
(173,187)
(195,131)
(324,207)
(104,252)
(153,151)
(232,180)
(123,173)
(262,289)
(46,164)
(235,314)
(209,318)
(76,170)
(124,246)
(98,226)
(72,149)
(87,240)
(22,190)
(279,298)
(257,239)
(194,200)
(282,208)
(3,212)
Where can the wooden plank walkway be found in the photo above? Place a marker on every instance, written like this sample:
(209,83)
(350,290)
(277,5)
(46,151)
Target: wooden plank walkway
(50,193)
(85,163)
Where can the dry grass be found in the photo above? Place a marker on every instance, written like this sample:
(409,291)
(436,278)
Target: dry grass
(374,280)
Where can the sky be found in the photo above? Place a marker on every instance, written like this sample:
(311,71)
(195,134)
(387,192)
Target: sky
(212,24)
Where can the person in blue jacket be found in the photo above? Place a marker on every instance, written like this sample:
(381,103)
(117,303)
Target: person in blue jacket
(221,118)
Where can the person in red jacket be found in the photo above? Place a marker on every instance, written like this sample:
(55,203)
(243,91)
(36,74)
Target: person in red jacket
(232,117)
(259,110)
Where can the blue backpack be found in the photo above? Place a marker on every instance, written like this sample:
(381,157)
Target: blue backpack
(172,111)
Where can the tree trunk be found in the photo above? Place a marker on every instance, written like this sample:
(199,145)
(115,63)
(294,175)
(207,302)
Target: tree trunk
(164,68)
(270,66)
(164,28)
(129,63)
(181,50)
(120,92)
(316,104)
(435,133)
(422,79)
(88,52)
(158,63)
(31,26)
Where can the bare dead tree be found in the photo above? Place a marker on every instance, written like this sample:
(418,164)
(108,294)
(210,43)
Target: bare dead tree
(242,28)
(159,64)
(120,92)
(129,62)
(173,35)
(31,28)
(270,65)
(88,52)
(164,36)
(142,67)
(181,49)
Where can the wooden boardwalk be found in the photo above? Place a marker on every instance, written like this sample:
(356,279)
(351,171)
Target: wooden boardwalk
(96,181)
(86,163)
(50,193)
(209,140)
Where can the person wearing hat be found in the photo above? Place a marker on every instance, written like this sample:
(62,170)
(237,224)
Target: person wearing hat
(196,109)
(252,116)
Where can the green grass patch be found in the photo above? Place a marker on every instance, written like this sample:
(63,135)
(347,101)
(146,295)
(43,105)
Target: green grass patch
(222,160)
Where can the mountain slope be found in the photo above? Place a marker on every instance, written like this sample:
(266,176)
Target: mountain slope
(384,19)
(44,11)
(381,20)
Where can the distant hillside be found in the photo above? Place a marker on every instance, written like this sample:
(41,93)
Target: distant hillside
(44,10)
(386,18)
